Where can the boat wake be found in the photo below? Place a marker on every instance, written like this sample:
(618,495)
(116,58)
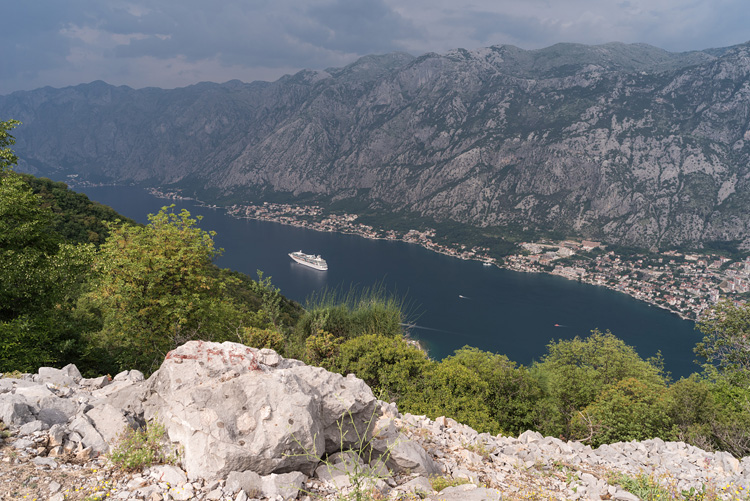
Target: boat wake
(415,326)
(463,297)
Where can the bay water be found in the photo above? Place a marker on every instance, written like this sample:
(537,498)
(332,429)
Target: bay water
(452,303)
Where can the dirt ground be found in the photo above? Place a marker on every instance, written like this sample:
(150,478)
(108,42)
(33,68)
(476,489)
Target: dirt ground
(21,478)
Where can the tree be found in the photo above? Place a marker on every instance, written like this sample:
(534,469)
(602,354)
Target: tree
(40,277)
(575,372)
(25,237)
(388,364)
(712,415)
(42,329)
(513,394)
(451,389)
(7,158)
(25,246)
(630,409)
(726,341)
(270,298)
(154,289)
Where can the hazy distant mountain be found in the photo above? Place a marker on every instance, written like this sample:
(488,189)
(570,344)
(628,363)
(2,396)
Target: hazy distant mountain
(627,143)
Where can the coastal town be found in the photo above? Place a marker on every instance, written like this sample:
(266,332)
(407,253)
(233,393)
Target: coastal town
(684,283)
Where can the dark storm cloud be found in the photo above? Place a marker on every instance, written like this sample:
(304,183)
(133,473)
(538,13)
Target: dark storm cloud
(240,33)
(489,27)
(31,45)
(68,40)
(172,43)
(361,26)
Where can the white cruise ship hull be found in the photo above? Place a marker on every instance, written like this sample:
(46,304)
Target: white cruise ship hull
(309,260)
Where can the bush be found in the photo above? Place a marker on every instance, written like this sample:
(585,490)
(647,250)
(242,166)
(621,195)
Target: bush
(141,448)
(367,311)
(440,482)
(262,338)
(712,415)
(513,394)
(154,288)
(725,343)
(575,372)
(628,410)
(453,390)
(322,349)
(387,364)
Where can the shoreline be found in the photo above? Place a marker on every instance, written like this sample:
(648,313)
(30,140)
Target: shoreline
(438,251)
(339,223)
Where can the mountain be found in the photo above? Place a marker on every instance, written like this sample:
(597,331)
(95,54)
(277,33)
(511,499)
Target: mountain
(630,144)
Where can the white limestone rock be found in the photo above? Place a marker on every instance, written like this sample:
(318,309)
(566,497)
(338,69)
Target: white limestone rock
(402,455)
(91,438)
(231,412)
(110,422)
(466,492)
(14,410)
(67,376)
(284,485)
(168,473)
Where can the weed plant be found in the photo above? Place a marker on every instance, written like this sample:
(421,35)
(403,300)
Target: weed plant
(440,482)
(360,464)
(141,448)
(663,487)
(369,310)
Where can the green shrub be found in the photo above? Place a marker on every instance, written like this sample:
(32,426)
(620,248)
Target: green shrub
(262,338)
(724,346)
(451,389)
(644,486)
(628,410)
(141,448)
(370,310)
(513,394)
(4,432)
(575,372)
(657,487)
(322,349)
(440,482)
(387,364)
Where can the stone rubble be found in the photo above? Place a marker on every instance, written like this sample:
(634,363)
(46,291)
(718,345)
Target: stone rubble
(59,427)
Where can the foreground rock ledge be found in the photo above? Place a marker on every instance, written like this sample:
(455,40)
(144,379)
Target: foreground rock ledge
(234,408)
(230,407)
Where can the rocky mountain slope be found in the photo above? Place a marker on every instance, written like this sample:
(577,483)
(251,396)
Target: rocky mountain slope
(249,423)
(625,143)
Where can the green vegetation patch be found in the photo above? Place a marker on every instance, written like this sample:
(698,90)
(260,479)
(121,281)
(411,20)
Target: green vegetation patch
(138,449)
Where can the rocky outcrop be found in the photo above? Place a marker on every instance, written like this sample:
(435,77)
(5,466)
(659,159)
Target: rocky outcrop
(399,455)
(625,143)
(234,408)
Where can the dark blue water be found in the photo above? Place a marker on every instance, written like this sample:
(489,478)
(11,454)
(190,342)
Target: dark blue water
(455,302)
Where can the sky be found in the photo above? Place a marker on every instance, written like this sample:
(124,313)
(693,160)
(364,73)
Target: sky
(175,43)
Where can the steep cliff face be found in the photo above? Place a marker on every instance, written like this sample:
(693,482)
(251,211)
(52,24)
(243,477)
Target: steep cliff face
(627,143)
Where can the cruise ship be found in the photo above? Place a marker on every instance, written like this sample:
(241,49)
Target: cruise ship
(310,260)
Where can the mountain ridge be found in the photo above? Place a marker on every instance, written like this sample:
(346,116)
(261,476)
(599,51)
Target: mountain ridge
(629,144)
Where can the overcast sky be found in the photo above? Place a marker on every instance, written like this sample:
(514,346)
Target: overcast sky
(173,43)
